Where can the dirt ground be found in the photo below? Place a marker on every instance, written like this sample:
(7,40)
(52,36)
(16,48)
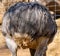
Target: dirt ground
(21,52)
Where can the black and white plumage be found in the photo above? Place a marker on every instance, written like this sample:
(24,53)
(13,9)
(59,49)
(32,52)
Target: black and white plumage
(27,18)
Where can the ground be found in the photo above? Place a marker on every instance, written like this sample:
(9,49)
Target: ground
(21,52)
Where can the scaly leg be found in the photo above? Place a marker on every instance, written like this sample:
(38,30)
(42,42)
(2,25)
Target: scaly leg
(41,49)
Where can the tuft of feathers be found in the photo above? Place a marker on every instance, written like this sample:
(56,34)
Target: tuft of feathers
(28,18)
